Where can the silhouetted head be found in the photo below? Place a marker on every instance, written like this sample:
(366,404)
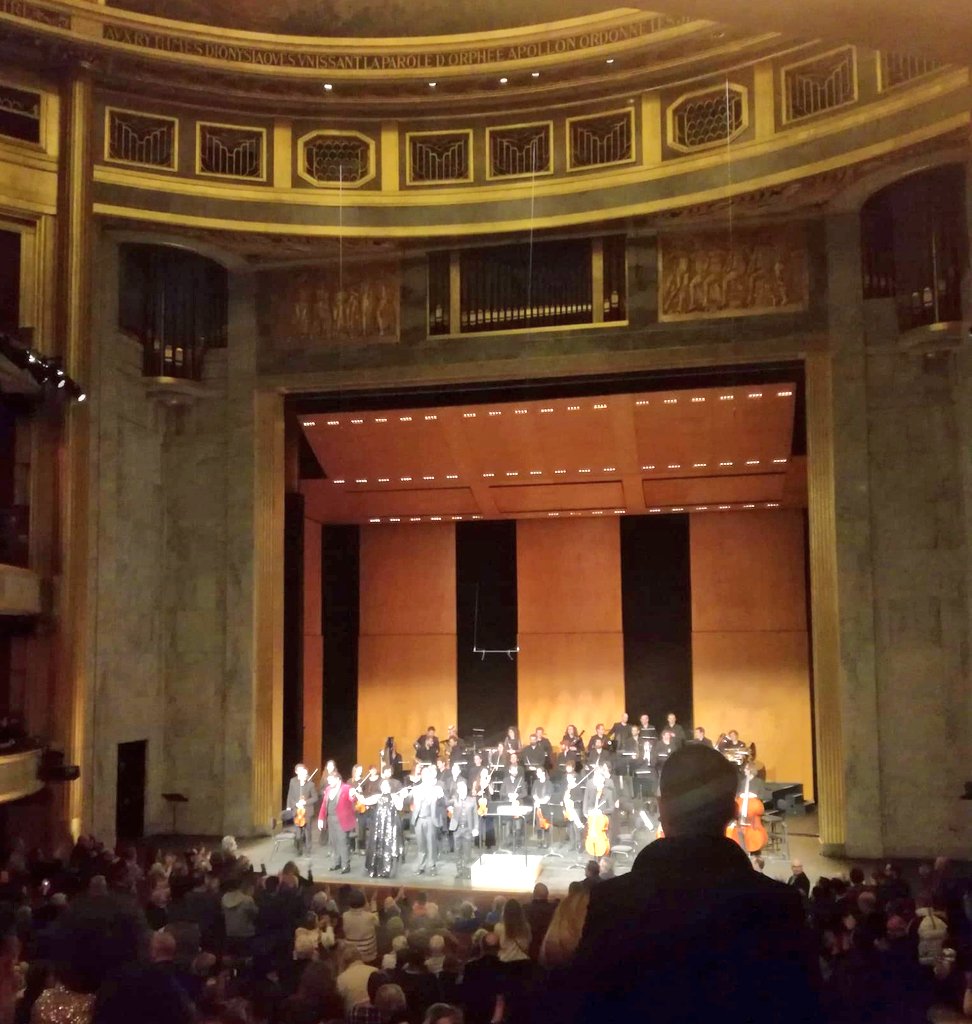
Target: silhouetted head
(697,793)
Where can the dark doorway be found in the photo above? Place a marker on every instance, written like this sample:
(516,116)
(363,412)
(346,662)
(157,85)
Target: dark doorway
(130,790)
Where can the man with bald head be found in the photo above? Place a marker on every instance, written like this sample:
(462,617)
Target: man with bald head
(692,921)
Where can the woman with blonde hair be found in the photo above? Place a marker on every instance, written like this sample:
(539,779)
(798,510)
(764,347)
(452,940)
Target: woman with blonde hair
(564,934)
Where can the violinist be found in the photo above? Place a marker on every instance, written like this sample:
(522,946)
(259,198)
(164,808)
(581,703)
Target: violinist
(542,796)
(511,741)
(301,803)
(474,768)
(357,797)
(513,790)
(572,743)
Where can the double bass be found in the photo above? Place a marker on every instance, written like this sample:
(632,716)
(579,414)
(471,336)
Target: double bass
(748,829)
(597,843)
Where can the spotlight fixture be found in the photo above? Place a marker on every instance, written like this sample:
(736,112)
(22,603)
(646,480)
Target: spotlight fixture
(45,371)
(328,87)
(432,85)
(610,60)
(534,74)
(503,81)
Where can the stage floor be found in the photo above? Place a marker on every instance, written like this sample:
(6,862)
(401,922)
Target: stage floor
(556,872)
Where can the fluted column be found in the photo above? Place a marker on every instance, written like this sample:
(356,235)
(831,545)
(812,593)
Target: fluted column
(72,711)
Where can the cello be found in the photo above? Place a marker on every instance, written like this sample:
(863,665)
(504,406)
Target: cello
(748,829)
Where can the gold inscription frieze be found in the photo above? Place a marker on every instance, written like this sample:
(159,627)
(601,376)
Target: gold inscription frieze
(35,12)
(749,272)
(333,59)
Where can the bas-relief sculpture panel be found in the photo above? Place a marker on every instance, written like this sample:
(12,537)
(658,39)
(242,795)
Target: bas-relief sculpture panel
(744,272)
(310,307)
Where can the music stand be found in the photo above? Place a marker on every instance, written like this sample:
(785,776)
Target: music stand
(173,800)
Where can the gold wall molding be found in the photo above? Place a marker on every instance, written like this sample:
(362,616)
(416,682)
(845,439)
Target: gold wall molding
(707,118)
(238,154)
(750,271)
(19,775)
(338,147)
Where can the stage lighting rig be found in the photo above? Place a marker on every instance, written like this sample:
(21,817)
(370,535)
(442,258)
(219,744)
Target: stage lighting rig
(47,372)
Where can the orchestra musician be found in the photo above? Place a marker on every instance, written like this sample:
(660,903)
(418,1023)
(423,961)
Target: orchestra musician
(463,826)
(427,747)
(390,756)
(662,751)
(474,768)
(678,733)
(545,746)
(354,784)
(572,743)
(497,755)
(336,819)
(542,797)
(700,737)
(302,795)
(599,734)
(573,800)
(647,729)
(600,794)
(513,791)
(619,732)
(533,757)
(730,741)
(511,741)
(598,753)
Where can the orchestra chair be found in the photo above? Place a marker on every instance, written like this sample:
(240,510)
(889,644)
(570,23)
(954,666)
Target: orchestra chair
(778,838)
(282,833)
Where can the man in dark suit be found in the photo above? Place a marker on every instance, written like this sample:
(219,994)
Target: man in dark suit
(539,912)
(302,796)
(427,818)
(463,826)
(798,878)
(692,925)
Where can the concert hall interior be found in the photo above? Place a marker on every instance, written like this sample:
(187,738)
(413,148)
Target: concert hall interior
(371,366)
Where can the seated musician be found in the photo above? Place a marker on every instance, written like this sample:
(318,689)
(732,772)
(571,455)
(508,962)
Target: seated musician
(599,734)
(663,750)
(572,800)
(511,741)
(600,793)
(453,753)
(573,742)
(475,767)
(700,737)
(533,755)
(598,753)
(730,741)
(648,731)
(497,755)
(542,798)
(427,747)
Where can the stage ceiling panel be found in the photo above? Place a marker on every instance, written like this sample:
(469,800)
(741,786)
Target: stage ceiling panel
(608,455)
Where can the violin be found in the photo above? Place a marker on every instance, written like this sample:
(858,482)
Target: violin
(748,829)
(482,806)
(300,812)
(542,822)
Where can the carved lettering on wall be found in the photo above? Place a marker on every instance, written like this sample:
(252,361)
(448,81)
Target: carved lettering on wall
(754,271)
(308,307)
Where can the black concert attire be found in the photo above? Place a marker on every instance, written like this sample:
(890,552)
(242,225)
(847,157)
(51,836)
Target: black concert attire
(386,843)
(627,753)
(645,781)
(678,735)
(705,741)
(725,744)
(511,744)
(462,827)
(514,790)
(427,818)
(661,752)
(590,743)
(308,793)
(392,759)
(473,769)
(427,750)
(599,795)
(544,745)
(682,929)
(573,797)
(533,756)
(617,735)
(575,747)
(648,731)
(603,756)
(496,758)
(542,797)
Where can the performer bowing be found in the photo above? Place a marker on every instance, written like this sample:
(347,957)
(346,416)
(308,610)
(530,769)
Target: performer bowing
(301,805)
(427,818)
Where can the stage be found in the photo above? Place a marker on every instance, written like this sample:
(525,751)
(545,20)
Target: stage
(556,872)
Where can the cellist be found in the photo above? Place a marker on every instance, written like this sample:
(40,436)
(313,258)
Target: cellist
(600,795)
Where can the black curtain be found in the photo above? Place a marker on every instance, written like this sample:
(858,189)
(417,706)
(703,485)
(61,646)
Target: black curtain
(486,618)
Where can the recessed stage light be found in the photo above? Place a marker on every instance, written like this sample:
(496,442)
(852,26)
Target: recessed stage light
(394,519)
(675,465)
(415,519)
(328,86)
(428,477)
(670,401)
(755,394)
(772,504)
(572,408)
(583,471)
(723,508)
(701,508)
(521,412)
(432,416)
(495,412)
(512,473)
(310,423)
(475,517)
(726,398)
(356,422)
(452,476)
(381,419)
(725,463)
(647,467)
(435,519)
(338,481)
(546,410)
(698,398)
(534,74)
(487,476)
(619,511)
(610,60)
(783,394)
(779,462)
(536,472)
(678,509)
(553,514)
(361,481)
(601,405)
(609,469)
(699,465)
(333,423)
(405,479)
(749,506)
(457,519)
(384,479)
(598,512)
(503,81)
(404,419)
(642,401)
(432,85)
(560,472)
(374,520)
(654,510)
(468,415)
(752,462)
